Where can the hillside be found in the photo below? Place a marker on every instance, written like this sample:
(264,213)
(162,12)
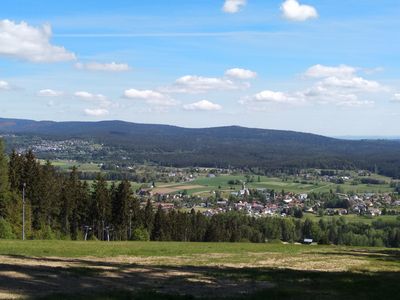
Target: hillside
(222,146)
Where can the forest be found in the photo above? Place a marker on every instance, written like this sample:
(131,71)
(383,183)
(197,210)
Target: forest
(263,150)
(61,206)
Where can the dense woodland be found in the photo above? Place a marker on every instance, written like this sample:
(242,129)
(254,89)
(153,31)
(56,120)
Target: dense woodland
(60,206)
(259,150)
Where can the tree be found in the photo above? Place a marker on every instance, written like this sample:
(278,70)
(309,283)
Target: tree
(101,206)
(121,210)
(4,185)
(159,227)
(148,216)
(70,197)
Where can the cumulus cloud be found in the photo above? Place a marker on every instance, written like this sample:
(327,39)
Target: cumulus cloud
(396,97)
(96,112)
(240,73)
(4,85)
(199,84)
(203,105)
(150,97)
(294,11)
(271,96)
(105,67)
(89,96)
(50,93)
(22,41)
(334,85)
(354,83)
(233,6)
(98,99)
(321,71)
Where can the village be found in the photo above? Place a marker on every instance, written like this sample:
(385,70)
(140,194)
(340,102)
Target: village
(263,202)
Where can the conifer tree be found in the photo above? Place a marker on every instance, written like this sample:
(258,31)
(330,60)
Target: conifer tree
(4,185)
(101,205)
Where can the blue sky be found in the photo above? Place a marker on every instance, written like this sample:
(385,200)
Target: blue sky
(328,67)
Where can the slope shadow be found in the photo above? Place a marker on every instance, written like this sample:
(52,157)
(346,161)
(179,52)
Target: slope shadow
(53,278)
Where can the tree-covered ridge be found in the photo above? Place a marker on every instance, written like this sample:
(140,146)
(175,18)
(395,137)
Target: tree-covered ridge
(223,146)
(61,206)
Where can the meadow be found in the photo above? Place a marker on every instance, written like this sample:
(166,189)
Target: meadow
(204,185)
(172,270)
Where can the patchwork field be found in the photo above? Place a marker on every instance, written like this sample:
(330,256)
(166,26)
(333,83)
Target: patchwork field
(161,270)
(204,185)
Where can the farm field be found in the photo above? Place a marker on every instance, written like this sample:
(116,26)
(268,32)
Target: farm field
(204,185)
(171,270)
(65,165)
(353,218)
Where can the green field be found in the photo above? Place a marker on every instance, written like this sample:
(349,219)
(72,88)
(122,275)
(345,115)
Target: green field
(171,270)
(353,218)
(277,184)
(66,165)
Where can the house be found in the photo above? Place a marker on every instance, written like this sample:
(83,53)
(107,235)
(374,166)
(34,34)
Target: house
(373,212)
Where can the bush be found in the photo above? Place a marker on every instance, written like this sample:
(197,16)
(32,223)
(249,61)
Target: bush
(45,233)
(6,230)
(140,234)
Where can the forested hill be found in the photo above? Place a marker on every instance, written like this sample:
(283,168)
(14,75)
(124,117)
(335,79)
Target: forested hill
(222,146)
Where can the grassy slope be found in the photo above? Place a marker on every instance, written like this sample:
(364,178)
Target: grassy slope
(296,271)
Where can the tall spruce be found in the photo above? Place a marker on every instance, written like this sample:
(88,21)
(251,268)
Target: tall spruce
(121,210)
(4,185)
(101,206)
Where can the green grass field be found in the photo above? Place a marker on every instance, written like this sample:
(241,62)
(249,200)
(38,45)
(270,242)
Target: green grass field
(171,270)
(66,165)
(353,218)
(221,183)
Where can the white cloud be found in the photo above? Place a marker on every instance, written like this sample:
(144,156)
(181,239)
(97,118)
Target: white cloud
(355,103)
(294,11)
(4,85)
(203,105)
(150,97)
(23,41)
(396,97)
(198,84)
(240,73)
(354,83)
(320,71)
(340,86)
(271,96)
(105,67)
(50,93)
(99,99)
(96,112)
(233,6)
(89,96)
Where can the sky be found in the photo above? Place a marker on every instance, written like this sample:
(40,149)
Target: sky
(319,66)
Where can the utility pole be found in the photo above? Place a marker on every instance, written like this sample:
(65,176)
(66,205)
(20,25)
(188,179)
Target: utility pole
(23,211)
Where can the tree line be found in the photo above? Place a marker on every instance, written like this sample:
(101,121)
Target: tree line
(61,206)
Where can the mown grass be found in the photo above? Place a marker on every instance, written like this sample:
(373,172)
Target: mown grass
(147,249)
(293,277)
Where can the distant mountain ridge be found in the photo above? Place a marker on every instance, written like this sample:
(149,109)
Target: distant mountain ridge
(222,146)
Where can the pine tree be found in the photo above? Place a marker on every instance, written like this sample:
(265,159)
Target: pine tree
(4,185)
(101,206)
(148,216)
(69,209)
(121,210)
(15,171)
